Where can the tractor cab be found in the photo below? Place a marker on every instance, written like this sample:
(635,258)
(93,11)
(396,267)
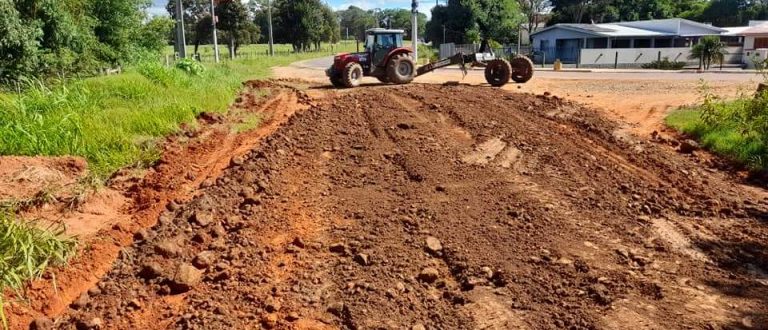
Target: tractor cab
(380,42)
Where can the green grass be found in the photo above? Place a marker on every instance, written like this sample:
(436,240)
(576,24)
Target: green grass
(117,121)
(726,138)
(26,251)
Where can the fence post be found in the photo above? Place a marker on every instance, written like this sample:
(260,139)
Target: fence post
(543,59)
(659,57)
(578,57)
(616,61)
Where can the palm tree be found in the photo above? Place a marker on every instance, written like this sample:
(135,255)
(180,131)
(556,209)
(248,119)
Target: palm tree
(709,49)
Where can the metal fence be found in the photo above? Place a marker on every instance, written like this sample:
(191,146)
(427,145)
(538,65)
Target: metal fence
(224,55)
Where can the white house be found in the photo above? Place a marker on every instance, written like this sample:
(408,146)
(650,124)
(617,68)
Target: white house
(624,43)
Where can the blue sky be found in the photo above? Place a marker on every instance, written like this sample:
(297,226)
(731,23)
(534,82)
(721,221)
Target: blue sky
(158,6)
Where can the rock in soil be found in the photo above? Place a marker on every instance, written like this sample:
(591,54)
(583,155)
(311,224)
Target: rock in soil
(185,278)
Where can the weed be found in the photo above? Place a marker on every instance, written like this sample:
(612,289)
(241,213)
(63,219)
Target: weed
(26,250)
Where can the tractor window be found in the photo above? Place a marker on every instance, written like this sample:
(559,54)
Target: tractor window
(386,41)
(369,41)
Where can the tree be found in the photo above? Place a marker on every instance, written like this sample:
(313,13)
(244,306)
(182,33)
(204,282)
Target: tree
(18,44)
(472,20)
(117,22)
(401,19)
(234,21)
(197,19)
(709,49)
(356,21)
(303,23)
(532,10)
(496,19)
(154,34)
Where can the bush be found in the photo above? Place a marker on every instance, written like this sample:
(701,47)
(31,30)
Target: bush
(664,64)
(190,66)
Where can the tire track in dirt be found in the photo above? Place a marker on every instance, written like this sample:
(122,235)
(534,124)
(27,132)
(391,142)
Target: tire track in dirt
(365,211)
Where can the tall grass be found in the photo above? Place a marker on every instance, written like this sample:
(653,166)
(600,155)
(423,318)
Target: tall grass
(26,251)
(117,121)
(721,127)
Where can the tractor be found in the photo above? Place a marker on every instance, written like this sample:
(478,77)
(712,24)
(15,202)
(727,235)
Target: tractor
(386,59)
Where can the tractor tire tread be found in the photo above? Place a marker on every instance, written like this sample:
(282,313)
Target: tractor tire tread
(522,68)
(393,76)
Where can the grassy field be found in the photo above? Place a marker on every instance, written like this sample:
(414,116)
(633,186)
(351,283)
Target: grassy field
(727,135)
(115,121)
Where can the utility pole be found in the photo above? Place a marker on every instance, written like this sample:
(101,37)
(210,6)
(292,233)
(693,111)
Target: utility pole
(443,33)
(181,42)
(215,38)
(271,38)
(415,29)
(519,38)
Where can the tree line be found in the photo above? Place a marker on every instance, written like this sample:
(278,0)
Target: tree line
(40,38)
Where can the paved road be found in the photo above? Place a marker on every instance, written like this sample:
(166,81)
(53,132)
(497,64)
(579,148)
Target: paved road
(323,63)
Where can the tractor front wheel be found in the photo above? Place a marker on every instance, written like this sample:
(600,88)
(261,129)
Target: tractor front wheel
(401,69)
(498,72)
(352,75)
(522,69)
(336,81)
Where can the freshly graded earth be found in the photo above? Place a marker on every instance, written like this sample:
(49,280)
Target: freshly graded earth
(446,207)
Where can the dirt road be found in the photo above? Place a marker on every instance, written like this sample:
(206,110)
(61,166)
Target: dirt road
(445,207)
(640,101)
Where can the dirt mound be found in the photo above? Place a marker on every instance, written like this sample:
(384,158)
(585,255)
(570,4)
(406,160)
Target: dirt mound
(446,207)
(23,178)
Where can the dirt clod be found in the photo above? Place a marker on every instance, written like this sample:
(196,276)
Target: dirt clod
(429,275)
(433,245)
(42,323)
(185,278)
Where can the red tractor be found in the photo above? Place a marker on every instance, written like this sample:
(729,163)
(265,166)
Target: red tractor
(387,60)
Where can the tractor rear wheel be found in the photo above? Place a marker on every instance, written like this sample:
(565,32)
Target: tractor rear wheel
(401,69)
(522,69)
(498,72)
(352,75)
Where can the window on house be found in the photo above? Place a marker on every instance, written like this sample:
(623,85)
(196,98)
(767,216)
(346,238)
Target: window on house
(642,43)
(732,41)
(664,43)
(597,43)
(621,43)
(761,43)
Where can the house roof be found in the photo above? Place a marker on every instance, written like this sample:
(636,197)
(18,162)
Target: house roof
(650,28)
(754,30)
(736,31)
